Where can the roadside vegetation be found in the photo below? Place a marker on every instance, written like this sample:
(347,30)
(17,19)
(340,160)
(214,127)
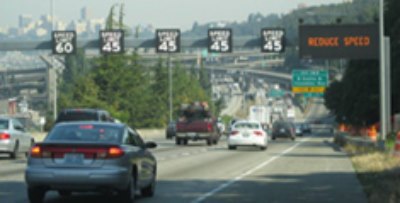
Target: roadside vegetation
(132,90)
(377,171)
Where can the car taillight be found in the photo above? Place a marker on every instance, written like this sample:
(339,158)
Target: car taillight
(4,136)
(235,132)
(36,152)
(258,133)
(209,126)
(115,152)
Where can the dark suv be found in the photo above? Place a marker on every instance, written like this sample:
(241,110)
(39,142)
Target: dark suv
(68,115)
(283,129)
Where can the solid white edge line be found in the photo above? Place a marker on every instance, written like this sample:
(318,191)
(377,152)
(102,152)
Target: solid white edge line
(249,172)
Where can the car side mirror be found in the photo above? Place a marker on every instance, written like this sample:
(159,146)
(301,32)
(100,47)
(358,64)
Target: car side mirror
(150,145)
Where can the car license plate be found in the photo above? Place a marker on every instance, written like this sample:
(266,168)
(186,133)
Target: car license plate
(73,158)
(246,134)
(282,130)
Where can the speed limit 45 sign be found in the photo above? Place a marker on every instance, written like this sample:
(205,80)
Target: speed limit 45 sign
(273,40)
(168,40)
(111,41)
(220,40)
(64,42)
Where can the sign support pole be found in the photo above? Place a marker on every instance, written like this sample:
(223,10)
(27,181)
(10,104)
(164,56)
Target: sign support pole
(383,93)
(170,86)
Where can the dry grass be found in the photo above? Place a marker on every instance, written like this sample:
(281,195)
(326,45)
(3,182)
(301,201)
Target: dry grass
(378,172)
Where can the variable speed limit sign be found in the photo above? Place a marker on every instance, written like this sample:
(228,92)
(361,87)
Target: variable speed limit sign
(273,40)
(111,41)
(220,40)
(64,42)
(168,40)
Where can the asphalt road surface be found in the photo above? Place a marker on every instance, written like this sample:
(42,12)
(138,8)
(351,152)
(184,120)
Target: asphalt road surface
(310,169)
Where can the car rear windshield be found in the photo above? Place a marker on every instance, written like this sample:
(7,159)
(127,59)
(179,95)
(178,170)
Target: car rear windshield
(77,116)
(247,126)
(86,133)
(3,124)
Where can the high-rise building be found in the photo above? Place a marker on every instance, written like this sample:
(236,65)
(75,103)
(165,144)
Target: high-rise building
(84,14)
(24,20)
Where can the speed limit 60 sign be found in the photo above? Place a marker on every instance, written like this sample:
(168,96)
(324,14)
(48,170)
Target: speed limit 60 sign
(64,42)
(220,40)
(111,41)
(168,40)
(273,40)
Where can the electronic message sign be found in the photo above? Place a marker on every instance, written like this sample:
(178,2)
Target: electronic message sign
(339,41)
(168,40)
(273,40)
(63,42)
(220,40)
(111,41)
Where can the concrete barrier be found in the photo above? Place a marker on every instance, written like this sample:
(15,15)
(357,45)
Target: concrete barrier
(146,134)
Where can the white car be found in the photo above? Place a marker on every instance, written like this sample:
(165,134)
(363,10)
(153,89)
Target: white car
(13,137)
(247,133)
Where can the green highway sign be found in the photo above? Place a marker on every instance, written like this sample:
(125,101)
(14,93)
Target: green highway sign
(312,94)
(276,93)
(310,78)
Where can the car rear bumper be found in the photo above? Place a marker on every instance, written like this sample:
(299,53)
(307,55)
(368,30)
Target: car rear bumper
(194,135)
(77,179)
(247,142)
(283,135)
(6,146)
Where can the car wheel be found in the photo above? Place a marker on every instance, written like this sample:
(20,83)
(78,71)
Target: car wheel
(128,195)
(263,148)
(36,195)
(149,190)
(178,141)
(231,147)
(185,141)
(14,153)
(209,141)
(215,141)
(64,193)
(273,138)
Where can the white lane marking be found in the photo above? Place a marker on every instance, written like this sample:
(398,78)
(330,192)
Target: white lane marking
(249,172)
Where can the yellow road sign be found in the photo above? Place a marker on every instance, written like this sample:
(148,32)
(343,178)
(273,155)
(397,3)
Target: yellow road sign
(308,89)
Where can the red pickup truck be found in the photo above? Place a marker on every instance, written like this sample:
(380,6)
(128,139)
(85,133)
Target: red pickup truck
(196,123)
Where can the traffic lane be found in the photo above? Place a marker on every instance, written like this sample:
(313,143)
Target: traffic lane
(315,171)
(12,171)
(185,179)
(174,182)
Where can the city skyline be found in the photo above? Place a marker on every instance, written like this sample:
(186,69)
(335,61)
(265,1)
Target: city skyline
(160,14)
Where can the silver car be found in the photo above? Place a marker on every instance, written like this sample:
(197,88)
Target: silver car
(13,138)
(91,156)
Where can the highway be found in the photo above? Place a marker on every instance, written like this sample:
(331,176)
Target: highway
(310,169)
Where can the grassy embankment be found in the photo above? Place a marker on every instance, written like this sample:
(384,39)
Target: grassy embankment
(378,172)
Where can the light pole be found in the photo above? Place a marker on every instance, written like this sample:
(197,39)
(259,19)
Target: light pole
(52,63)
(170,87)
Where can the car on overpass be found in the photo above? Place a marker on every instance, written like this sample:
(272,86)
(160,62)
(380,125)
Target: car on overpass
(87,156)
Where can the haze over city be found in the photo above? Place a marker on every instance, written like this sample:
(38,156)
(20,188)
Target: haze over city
(158,13)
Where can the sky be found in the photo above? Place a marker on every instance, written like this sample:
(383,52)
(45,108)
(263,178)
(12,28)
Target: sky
(160,13)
